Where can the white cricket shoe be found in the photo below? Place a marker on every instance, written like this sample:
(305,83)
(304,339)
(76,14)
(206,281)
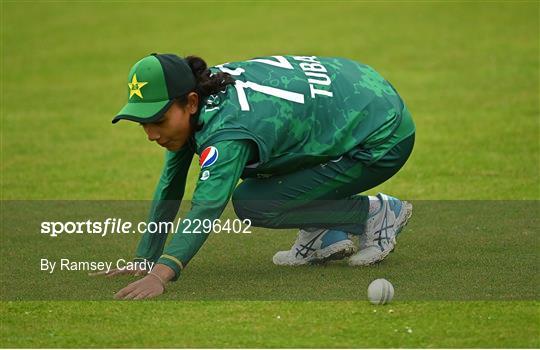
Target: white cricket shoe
(315,247)
(381,231)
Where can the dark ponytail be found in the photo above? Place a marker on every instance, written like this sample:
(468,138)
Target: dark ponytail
(207,85)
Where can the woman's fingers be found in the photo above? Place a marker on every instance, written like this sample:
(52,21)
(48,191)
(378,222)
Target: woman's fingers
(132,294)
(140,296)
(141,289)
(125,291)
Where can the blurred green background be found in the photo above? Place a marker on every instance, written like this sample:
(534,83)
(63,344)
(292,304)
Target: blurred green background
(469,72)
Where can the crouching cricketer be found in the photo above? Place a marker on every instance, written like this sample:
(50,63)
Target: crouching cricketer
(306,134)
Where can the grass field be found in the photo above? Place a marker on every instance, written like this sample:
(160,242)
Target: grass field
(469,73)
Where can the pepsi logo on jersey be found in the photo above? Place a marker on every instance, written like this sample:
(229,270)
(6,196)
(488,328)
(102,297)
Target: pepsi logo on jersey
(208,157)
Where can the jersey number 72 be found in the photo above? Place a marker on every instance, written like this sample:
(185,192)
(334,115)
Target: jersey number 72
(242,85)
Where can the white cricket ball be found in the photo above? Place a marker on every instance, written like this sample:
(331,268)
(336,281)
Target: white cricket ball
(380,292)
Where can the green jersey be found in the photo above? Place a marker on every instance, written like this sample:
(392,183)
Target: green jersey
(301,110)
(283,113)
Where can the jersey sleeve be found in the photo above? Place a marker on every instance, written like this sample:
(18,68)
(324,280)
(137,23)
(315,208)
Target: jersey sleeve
(166,201)
(221,167)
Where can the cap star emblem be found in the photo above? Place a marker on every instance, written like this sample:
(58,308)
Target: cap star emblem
(135,86)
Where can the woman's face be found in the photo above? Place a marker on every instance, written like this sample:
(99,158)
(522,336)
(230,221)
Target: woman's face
(173,130)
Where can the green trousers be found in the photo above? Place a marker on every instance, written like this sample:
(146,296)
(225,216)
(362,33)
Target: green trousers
(325,196)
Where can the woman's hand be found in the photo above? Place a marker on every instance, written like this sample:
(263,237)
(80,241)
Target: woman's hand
(145,288)
(148,287)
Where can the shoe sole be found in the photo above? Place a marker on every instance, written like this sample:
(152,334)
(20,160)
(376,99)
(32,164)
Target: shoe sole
(340,253)
(408,213)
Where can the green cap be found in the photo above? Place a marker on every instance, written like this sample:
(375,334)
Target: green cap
(153,83)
